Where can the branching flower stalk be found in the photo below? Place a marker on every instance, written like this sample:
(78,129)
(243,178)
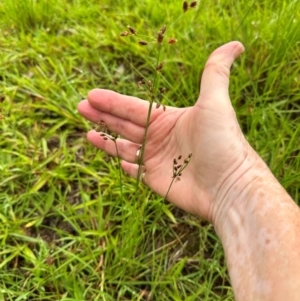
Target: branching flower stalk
(178,168)
(156,94)
(152,86)
(153,93)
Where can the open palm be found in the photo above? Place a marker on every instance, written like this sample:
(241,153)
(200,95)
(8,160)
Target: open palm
(209,130)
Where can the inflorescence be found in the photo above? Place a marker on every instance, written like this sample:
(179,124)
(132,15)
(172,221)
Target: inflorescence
(179,167)
(159,41)
(106,132)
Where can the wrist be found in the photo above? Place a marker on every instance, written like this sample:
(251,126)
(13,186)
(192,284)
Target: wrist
(240,188)
(258,224)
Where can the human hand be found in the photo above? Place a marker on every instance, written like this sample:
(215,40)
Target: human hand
(209,130)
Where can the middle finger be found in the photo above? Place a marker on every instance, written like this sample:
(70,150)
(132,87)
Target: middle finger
(125,128)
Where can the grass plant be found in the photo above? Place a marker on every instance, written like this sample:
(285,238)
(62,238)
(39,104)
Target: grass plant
(66,233)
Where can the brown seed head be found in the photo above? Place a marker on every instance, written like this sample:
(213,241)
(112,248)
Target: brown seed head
(193,4)
(162,90)
(144,43)
(185,6)
(163,29)
(160,66)
(124,34)
(140,83)
(164,107)
(132,30)
(149,83)
(160,37)
(174,161)
(172,41)
(187,160)
(157,105)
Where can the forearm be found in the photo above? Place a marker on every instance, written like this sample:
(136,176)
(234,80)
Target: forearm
(260,232)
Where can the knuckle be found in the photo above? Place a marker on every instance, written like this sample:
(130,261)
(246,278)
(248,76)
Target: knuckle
(217,68)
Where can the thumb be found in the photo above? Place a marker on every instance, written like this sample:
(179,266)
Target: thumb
(215,77)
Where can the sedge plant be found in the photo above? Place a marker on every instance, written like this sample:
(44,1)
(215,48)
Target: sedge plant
(155,94)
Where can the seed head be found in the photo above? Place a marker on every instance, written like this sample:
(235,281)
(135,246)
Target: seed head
(172,41)
(149,83)
(160,37)
(106,132)
(185,6)
(178,168)
(160,66)
(132,30)
(124,34)
(140,83)
(162,90)
(193,4)
(186,161)
(163,29)
(144,43)
(157,105)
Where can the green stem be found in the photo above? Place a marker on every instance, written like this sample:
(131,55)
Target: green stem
(169,188)
(155,85)
(120,171)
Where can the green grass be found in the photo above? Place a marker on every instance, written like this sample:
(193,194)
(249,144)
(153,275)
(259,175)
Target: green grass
(65,231)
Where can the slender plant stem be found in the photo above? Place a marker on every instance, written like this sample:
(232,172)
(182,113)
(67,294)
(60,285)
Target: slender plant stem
(155,85)
(120,171)
(169,188)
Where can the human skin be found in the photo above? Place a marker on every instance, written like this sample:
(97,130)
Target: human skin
(226,182)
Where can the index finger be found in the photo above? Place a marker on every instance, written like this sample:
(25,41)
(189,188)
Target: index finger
(127,107)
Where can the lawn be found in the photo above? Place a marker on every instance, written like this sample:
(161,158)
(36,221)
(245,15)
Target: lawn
(66,230)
